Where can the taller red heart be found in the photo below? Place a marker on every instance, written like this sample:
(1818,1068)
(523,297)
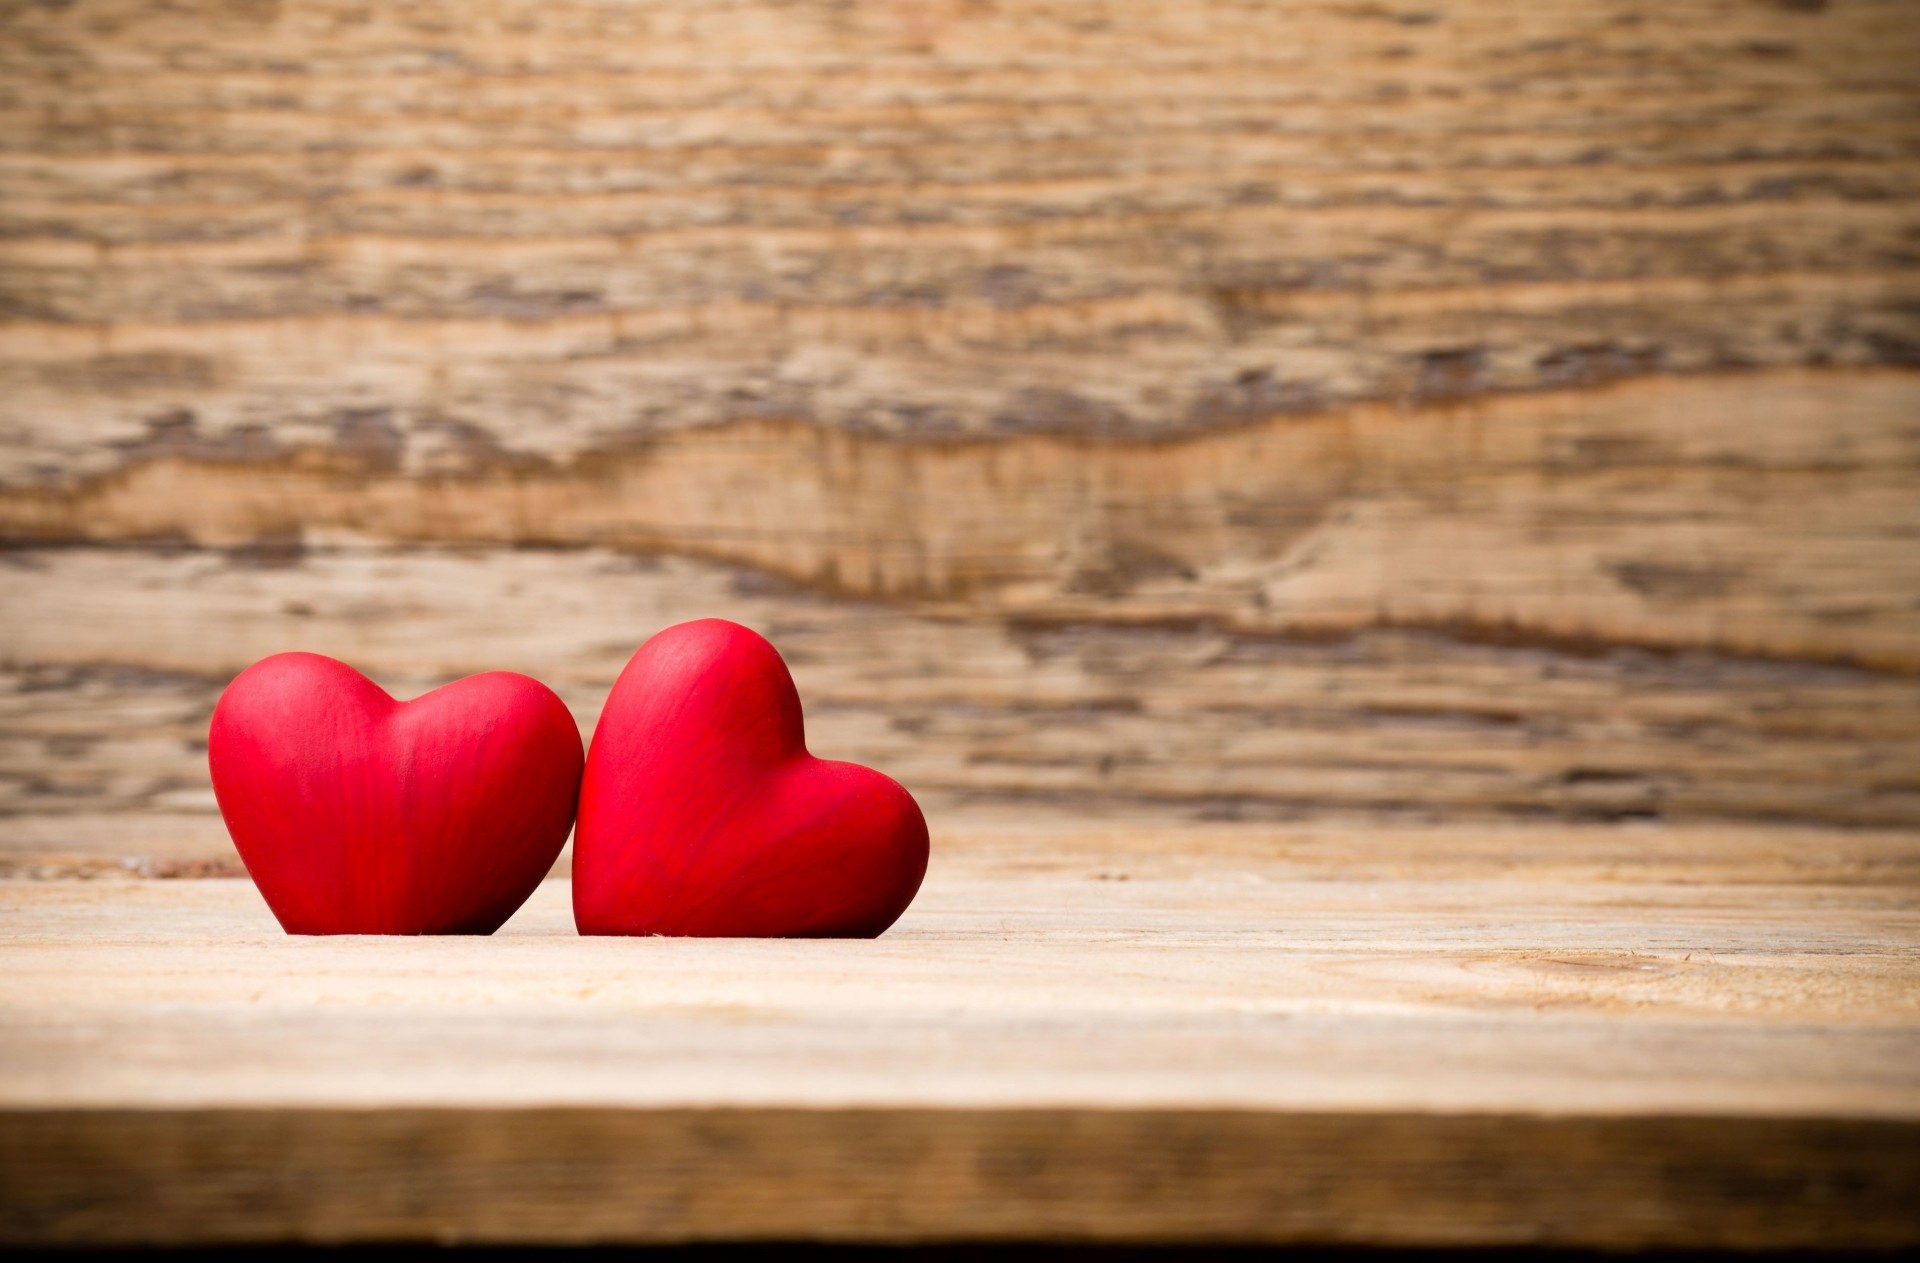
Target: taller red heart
(702,814)
(358,814)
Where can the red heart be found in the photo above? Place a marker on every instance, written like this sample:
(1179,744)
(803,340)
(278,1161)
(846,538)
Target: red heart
(701,812)
(357,814)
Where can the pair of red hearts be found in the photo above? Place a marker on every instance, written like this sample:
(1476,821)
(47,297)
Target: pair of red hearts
(700,810)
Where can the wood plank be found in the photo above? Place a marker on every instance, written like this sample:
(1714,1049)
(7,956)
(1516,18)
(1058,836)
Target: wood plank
(541,231)
(1769,516)
(116,657)
(1555,326)
(1230,1052)
(1232,984)
(410,244)
(1233,419)
(894,1176)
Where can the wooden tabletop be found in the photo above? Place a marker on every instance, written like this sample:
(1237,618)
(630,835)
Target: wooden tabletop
(1309,1035)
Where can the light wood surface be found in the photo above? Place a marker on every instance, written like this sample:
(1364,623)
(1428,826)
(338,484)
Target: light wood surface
(1229,987)
(1201,1042)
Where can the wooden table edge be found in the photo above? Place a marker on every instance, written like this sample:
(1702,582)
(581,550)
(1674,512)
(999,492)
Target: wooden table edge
(566,1175)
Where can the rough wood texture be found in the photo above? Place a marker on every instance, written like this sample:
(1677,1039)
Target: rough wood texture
(1363,374)
(662,278)
(1237,408)
(117,656)
(1250,1049)
(914,1175)
(1773,516)
(1386,537)
(450,235)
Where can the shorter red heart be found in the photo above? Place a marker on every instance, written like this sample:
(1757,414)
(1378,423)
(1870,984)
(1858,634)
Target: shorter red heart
(358,814)
(701,812)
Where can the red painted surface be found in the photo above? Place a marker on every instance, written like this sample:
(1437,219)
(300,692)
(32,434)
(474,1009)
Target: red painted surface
(358,814)
(703,814)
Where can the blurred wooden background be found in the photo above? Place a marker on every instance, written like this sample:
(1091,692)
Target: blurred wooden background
(1176,422)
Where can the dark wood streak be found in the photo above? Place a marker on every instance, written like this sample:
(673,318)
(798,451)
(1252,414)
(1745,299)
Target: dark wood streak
(582,1176)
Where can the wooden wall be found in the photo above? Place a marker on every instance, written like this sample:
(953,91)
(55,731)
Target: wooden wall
(1201,423)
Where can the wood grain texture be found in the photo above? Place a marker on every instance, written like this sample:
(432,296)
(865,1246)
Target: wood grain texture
(116,656)
(1251,980)
(527,231)
(1227,352)
(1565,330)
(1385,537)
(927,1176)
(1774,517)
(1243,1050)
